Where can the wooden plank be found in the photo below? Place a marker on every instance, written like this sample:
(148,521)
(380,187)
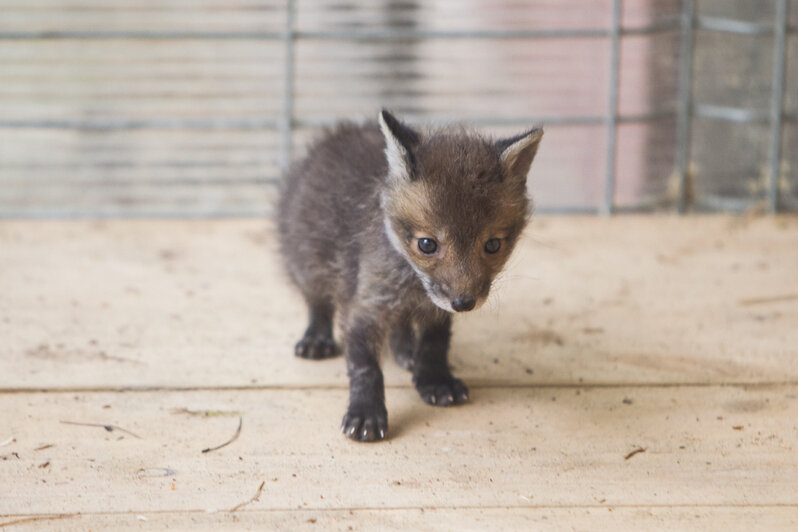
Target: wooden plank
(628,300)
(451,15)
(438,82)
(80,155)
(74,79)
(254,15)
(127,15)
(135,173)
(652,519)
(84,171)
(509,448)
(191,78)
(207,196)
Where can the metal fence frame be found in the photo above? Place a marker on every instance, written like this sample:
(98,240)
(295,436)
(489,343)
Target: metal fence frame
(684,110)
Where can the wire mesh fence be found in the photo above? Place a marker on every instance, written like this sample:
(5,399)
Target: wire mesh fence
(194,108)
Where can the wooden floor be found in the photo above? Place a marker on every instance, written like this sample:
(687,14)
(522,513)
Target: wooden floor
(634,373)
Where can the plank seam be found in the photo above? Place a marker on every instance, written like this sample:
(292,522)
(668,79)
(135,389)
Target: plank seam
(51,515)
(478,386)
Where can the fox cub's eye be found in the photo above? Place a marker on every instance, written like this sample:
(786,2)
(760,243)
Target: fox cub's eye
(427,245)
(493,245)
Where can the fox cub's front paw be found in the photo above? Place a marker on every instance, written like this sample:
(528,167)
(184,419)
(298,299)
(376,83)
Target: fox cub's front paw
(316,346)
(440,390)
(365,422)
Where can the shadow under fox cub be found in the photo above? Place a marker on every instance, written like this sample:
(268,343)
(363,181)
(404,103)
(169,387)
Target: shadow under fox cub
(392,229)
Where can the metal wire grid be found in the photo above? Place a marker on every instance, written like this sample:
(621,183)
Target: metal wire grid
(687,23)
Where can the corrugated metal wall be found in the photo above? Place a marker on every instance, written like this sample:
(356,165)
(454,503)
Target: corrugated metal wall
(188,107)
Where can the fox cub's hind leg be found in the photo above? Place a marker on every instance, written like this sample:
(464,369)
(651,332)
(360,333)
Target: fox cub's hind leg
(318,343)
(431,374)
(403,343)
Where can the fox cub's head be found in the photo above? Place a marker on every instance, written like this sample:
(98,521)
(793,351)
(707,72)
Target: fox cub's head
(455,204)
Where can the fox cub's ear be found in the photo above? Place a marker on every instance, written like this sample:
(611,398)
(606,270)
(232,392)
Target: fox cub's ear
(400,141)
(517,152)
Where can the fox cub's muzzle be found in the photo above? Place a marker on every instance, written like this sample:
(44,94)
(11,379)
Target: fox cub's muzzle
(463,304)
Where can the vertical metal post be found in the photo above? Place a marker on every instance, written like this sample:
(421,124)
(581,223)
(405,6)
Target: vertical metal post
(287,121)
(612,108)
(777,101)
(684,113)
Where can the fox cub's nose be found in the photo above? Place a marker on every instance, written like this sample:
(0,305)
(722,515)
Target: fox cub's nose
(463,304)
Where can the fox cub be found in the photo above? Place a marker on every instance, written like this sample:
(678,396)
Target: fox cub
(392,229)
